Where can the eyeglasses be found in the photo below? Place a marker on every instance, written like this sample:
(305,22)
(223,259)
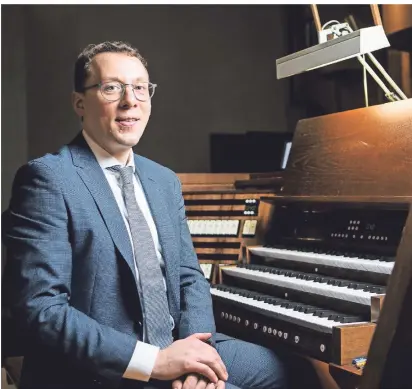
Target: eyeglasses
(114,90)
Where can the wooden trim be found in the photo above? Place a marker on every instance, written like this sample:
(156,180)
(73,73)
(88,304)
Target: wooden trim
(217,262)
(226,196)
(216,207)
(406,75)
(219,239)
(351,342)
(376,306)
(211,178)
(316,18)
(215,250)
(376,14)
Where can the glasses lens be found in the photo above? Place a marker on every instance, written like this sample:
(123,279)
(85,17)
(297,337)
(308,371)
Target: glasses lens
(111,91)
(144,90)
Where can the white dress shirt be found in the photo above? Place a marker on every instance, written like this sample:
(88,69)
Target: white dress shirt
(144,356)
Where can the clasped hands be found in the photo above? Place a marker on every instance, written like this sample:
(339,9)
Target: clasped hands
(193,358)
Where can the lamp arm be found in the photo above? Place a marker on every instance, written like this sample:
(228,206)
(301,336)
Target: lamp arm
(382,70)
(390,95)
(387,76)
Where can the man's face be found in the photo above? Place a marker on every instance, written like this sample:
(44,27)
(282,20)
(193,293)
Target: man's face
(116,126)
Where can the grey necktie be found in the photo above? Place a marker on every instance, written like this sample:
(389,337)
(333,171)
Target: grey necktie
(154,299)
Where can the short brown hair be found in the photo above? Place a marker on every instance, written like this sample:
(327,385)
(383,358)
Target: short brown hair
(82,65)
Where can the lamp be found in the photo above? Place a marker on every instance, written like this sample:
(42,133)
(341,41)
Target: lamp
(337,43)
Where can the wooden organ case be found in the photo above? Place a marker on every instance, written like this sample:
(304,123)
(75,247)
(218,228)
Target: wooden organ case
(315,283)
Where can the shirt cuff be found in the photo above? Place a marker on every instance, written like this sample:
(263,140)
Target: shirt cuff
(142,362)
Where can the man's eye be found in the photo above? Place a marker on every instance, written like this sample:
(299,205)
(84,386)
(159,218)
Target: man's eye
(111,88)
(141,87)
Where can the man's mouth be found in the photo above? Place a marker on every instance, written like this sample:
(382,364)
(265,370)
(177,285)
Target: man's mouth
(126,121)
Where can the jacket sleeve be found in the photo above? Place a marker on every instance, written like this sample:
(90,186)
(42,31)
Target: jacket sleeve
(195,297)
(39,267)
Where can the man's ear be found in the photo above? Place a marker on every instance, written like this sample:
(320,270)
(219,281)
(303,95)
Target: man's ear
(78,103)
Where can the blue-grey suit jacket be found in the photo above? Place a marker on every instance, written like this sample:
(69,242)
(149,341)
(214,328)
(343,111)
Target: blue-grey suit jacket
(70,275)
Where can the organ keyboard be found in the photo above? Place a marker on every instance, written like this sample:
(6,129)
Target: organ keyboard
(313,280)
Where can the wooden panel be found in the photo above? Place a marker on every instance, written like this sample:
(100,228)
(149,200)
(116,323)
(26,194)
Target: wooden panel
(376,306)
(215,240)
(207,187)
(236,217)
(351,342)
(366,151)
(346,376)
(225,196)
(209,252)
(211,178)
(216,250)
(224,262)
(390,352)
(230,182)
(215,207)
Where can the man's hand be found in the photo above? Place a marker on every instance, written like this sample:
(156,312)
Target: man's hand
(190,355)
(194,381)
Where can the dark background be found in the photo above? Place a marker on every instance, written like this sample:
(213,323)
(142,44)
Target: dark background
(215,66)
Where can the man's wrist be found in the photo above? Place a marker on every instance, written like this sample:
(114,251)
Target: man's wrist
(142,362)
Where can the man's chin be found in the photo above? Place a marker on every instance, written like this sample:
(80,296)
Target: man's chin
(128,140)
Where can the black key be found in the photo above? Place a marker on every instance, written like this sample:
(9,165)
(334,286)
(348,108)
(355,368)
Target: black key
(289,304)
(309,277)
(299,307)
(324,312)
(274,301)
(357,285)
(310,309)
(387,259)
(350,319)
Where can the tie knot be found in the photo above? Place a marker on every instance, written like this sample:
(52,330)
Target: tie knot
(126,173)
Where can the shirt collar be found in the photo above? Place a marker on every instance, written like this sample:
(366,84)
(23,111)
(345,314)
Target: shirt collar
(105,159)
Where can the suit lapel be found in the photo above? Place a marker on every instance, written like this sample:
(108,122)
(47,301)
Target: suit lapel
(167,236)
(93,177)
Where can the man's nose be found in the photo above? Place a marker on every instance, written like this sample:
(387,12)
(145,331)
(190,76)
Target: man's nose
(129,98)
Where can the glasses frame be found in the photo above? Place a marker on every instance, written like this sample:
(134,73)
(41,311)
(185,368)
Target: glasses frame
(99,85)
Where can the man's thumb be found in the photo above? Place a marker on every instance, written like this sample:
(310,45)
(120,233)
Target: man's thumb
(202,335)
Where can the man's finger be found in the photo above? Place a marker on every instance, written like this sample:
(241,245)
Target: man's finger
(190,382)
(202,383)
(177,384)
(218,367)
(220,385)
(205,371)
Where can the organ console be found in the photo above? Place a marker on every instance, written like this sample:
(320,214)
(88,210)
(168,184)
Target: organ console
(223,219)
(315,280)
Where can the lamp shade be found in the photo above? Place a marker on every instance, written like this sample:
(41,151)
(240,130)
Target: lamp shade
(362,41)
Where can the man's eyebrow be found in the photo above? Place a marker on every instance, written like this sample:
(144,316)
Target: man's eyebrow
(138,79)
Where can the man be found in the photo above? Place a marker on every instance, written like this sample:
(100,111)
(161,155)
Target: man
(102,273)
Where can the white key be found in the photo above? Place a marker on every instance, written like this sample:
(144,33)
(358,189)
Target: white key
(337,261)
(305,286)
(307,320)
